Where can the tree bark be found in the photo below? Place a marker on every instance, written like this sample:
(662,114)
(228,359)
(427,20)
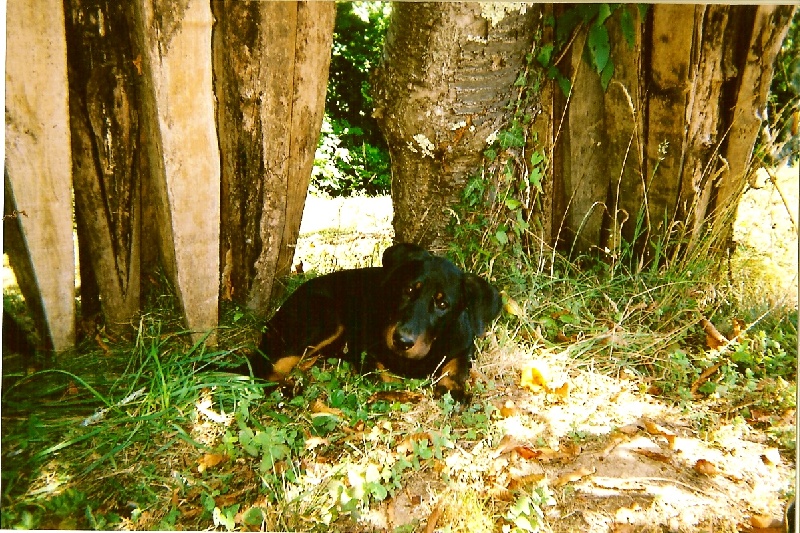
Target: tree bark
(443,87)
(659,155)
(104,120)
(271,64)
(37,182)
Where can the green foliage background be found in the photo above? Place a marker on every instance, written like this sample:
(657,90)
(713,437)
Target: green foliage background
(352,156)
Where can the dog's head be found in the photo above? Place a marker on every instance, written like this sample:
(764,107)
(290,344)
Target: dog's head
(429,294)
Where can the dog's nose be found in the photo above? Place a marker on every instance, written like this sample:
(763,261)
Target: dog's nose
(402,341)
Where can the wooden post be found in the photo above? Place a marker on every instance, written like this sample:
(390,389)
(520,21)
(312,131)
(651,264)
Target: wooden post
(271,69)
(104,116)
(38,166)
(182,150)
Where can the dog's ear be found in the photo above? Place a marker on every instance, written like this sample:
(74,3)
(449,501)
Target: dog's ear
(402,253)
(483,302)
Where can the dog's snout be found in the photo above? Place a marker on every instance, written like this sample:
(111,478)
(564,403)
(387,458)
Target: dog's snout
(402,340)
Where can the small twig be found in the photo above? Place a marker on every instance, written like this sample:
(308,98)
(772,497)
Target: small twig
(774,181)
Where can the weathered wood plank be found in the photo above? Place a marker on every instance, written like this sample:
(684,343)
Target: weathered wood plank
(38,165)
(182,150)
(271,64)
(104,116)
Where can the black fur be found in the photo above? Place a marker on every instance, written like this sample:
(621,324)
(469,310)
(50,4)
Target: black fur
(417,315)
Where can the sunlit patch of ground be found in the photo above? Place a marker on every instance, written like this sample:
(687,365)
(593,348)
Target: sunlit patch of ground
(766,235)
(606,455)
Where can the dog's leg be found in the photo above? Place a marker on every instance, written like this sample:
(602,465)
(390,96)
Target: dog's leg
(452,378)
(283,366)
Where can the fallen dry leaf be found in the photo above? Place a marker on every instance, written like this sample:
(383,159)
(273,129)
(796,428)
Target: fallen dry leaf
(573,476)
(509,409)
(209,460)
(407,445)
(319,408)
(396,396)
(386,376)
(655,456)
(654,429)
(433,519)
(510,305)
(533,378)
(707,373)
(760,521)
(524,481)
(703,466)
(314,442)
(714,339)
(562,391)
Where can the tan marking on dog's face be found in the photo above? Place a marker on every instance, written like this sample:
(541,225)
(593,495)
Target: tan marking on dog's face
(420,349)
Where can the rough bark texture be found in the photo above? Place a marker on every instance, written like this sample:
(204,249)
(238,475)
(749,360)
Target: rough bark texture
(38,166)
(182,150)
(271,63)
(448,74)
(670,139)
(663,151)
(104,119)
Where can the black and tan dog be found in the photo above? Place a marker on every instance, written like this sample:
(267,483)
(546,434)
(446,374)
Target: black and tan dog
(416,316)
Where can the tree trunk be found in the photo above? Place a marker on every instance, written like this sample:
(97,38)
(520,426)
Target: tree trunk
(271,67)
(447,77)
(38,203)
(104,118)
(660,154)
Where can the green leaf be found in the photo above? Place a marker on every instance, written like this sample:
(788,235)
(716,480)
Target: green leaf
(378,491)
(253,516)
(606,75)
(599,47)
(708,387)
(512,203)
(545,55)
(501,236)
(510,138)
(603,12)
(626,21)
(535,179)
(565,85)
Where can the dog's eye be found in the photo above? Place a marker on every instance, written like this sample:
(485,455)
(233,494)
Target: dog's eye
(412,290)
(440,302)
